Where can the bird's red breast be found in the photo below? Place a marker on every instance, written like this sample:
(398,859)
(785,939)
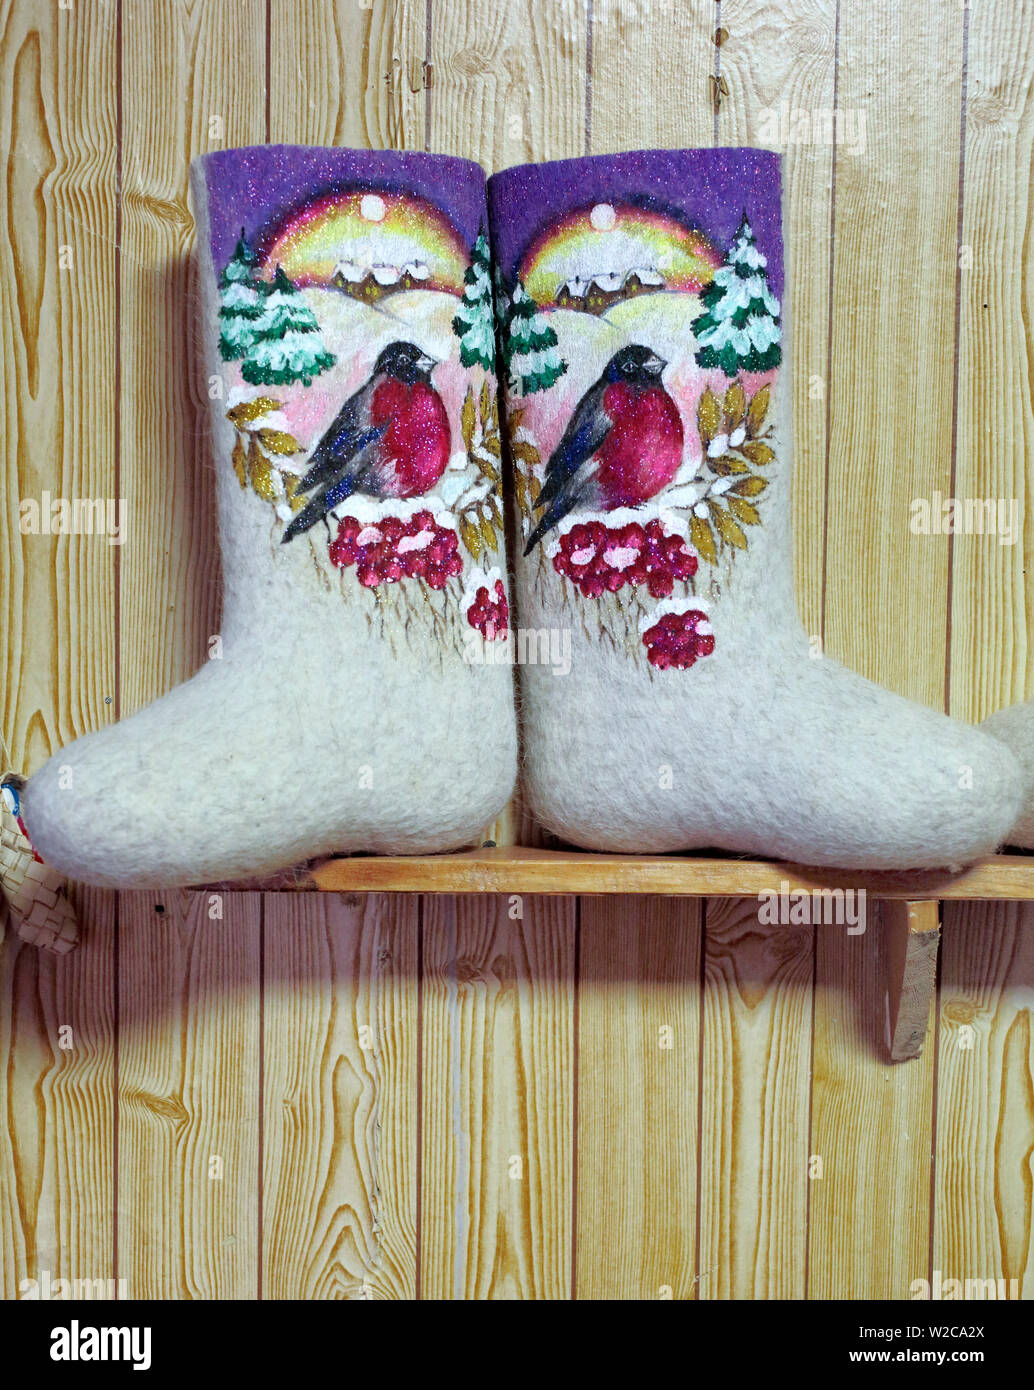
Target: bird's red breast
(414,450)
(643,451)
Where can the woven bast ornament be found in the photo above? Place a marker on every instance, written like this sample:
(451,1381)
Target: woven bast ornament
(40,909)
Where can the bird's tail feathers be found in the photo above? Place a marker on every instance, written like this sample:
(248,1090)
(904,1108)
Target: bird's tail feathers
(545,525)
(303,520)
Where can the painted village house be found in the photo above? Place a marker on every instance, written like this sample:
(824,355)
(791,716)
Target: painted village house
(596,293)
(372,282)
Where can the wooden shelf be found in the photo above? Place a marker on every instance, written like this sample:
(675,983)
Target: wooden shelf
(517,870)
(909,916)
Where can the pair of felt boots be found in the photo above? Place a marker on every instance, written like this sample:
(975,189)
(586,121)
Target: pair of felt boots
(361,693)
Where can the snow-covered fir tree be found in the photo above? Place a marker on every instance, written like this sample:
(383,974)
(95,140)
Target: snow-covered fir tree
(739,329)
(474,325)
(286,346)
(241,297)
(530,350)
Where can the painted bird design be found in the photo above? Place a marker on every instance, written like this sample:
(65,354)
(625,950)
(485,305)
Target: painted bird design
(622,445)
(390,439)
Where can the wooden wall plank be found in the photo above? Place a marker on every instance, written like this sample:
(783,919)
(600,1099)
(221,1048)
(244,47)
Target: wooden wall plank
(188,1021)
(871,1130)
(193,81)
(343,73)
(985,1100)
(340,1097)
(57,313)
(57,1160)
(509,80)
(638,1078)
(497,1090)
(648,81)
(893,343)
(778,64)
(755,1089)
(58,120)
(992,612)
(984,1227)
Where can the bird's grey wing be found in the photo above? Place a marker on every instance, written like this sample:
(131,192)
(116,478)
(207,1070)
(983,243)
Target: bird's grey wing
(349,434)
(586,431)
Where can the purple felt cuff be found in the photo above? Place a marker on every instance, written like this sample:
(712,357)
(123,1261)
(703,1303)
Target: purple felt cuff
(706,191)
(267,188)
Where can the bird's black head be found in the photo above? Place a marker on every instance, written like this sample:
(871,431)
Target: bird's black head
(405,362)
(635,364)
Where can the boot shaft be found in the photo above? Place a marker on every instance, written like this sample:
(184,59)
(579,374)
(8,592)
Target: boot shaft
(331,277)
(643,294)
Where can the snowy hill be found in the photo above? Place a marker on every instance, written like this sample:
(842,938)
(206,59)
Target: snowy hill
(663,320)
(420,316)
(585,342)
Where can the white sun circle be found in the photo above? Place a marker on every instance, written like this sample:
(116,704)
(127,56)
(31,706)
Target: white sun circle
(372,208)
(602,217)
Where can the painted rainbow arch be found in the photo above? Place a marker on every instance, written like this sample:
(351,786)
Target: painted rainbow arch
(614,239)
(372,226)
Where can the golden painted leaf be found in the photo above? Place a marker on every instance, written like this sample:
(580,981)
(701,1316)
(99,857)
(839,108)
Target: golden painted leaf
(728,463)
(470,536)
(744,511)
(495,413)
(730,532)
(488,470)
(488,532)
(527,453)
(255,455)
(514,416)
(750,487)
(702,537)
(247,411)
(757,452)
(757,410)
(709,417)
(239,459)
(735,406)
(528,489)
(491,445)
(262,480)
(485,402)
(467,418)
(295,498)
(279,442)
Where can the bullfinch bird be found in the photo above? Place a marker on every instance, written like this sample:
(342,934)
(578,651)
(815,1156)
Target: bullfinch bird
(622,445)
(391,439)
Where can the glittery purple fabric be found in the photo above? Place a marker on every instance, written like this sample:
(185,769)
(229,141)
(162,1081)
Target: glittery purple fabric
(257,186)
(710,189)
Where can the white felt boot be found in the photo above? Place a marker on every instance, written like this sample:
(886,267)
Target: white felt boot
(645,336)
(348,704)
(1014,726)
